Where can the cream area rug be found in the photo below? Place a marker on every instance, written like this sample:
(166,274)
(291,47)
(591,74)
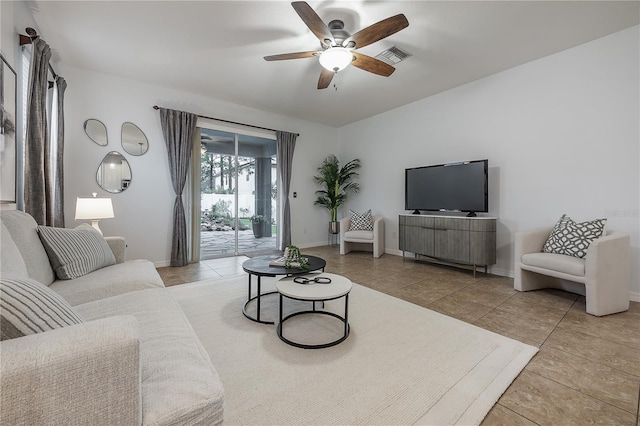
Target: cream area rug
(401,364)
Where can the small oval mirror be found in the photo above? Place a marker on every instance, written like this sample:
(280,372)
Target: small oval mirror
(97,131)
(134,141)
(114,173)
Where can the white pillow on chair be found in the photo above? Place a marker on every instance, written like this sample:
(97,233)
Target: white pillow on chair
(361,221)
(571,238)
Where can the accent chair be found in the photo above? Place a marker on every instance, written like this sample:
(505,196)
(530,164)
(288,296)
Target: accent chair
(602,276)
(360,240)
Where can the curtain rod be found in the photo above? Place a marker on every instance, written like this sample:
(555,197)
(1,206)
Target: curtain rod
(28,39)
(232,122)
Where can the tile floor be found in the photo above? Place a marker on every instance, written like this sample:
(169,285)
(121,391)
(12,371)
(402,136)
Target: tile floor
(586,372)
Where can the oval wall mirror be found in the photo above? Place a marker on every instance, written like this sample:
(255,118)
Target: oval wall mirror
(114,173)
(97,131)
(134,141)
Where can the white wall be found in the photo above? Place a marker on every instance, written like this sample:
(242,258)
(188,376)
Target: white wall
(144,211)
(561,135)
(14,18)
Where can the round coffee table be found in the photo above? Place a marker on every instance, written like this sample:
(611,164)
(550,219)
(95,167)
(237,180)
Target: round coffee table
(313,292)
(259,266)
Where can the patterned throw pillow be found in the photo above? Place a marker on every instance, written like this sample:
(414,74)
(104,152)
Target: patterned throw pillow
(28,307)
(361,221)
(572,238)
(75,252)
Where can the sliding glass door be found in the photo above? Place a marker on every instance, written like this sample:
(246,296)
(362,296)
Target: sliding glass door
(238,196)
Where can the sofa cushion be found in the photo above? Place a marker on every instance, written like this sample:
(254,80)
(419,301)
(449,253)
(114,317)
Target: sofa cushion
(573,238)
(24,230)
(85,374)
(358,235)
(75,252)
(28,307)
(132,275)
(179,383)
(556,262)
(360,221)
(12,263)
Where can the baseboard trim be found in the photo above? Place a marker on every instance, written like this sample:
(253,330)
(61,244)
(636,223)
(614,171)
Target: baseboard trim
(634,296)
(393,252)
(316,244)
(501,272)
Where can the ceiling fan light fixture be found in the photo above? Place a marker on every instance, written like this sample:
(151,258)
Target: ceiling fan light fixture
(336,58)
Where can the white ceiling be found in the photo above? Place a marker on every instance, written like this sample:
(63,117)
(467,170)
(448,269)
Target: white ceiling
(216,48)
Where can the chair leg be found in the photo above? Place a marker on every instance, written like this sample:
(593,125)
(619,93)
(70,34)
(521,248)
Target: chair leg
(604,300)
(344,247)
(527,280)
(377,250)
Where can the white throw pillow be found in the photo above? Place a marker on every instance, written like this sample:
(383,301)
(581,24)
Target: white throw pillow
(75,252)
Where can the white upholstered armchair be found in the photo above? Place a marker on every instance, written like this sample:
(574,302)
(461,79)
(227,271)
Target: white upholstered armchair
(372,241)
(602,276)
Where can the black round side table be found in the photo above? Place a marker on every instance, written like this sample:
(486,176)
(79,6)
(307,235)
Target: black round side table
(259,266)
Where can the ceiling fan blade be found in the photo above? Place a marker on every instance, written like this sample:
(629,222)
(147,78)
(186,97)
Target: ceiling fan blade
(373,65)
(296,55)
(325,78)
(377,31)
(313,21)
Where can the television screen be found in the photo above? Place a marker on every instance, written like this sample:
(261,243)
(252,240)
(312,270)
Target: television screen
(461,186)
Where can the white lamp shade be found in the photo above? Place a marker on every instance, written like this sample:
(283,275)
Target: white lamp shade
(94,208)
(336,58)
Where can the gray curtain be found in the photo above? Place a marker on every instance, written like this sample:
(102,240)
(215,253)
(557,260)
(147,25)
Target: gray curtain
(286,144)
(178,128)
(58,207)
(37,174)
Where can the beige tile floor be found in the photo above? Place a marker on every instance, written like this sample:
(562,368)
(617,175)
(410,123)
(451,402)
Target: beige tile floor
(586,372)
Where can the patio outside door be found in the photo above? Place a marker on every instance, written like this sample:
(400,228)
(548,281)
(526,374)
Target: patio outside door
(238,176)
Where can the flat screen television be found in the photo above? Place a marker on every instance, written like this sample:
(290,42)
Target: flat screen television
(459,187)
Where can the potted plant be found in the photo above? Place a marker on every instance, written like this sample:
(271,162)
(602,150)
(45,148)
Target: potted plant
(337,185)
(257,223)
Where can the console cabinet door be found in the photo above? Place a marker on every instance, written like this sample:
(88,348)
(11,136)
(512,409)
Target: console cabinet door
(416,235)
(483,242)
(420,240)
(452,239)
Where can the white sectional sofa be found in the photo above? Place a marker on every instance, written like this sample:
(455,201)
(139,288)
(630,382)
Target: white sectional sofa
(134,360)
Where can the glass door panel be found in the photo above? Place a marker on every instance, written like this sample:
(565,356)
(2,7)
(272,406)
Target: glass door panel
(237,184)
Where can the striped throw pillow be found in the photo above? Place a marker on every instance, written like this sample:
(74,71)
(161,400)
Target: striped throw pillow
(361,221)
(75,252)
(28,307)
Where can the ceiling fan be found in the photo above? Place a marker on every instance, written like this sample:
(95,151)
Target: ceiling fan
(338,45)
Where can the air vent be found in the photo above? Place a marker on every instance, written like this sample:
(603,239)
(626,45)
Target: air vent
(393,55)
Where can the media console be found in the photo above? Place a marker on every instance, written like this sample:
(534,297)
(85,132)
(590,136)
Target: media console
(461,240)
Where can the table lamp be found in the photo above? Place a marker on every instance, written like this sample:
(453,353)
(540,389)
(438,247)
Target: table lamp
(94,209)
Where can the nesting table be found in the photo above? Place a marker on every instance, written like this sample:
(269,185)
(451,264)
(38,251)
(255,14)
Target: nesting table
(259,266)
(312,292)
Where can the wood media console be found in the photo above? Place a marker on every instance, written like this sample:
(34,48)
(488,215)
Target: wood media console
(454,239)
